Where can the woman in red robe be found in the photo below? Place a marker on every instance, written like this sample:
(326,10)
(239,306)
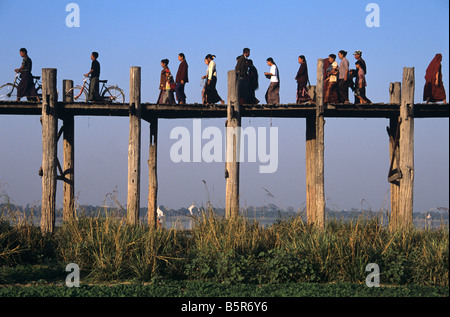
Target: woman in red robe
(434,88)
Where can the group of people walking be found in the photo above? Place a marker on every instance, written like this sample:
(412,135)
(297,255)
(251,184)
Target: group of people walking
(168,85)
(248,82)
(338,79)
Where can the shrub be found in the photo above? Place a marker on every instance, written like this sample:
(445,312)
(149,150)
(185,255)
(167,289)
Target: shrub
(281,265)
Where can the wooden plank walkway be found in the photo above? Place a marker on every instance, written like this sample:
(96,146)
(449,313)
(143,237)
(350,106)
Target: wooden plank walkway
(149,110)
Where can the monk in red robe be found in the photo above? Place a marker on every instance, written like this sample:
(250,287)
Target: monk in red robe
(434,88)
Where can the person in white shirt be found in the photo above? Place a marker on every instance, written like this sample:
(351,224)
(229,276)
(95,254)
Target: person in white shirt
(273,92)
(209,93)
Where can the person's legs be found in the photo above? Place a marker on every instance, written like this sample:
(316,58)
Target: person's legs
(170,97)
(183,95)
(97,90)
(276,92)
(342,91)
(94,87)
(243,91)
(364,97)
(179,92)
(273,94)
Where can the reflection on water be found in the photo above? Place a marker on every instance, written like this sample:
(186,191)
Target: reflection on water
(187,223)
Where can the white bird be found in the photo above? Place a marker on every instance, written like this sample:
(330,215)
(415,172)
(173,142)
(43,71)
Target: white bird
(191,208)
(159,213)
(429,221)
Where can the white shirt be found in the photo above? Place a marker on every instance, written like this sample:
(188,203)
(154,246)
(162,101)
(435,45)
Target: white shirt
(274,71)
(211,70)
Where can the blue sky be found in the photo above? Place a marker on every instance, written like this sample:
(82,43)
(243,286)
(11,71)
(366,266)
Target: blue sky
(141,33)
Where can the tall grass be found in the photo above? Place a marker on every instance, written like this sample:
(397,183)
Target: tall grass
(109,249)
(339,253)
(20,240)
(234,251)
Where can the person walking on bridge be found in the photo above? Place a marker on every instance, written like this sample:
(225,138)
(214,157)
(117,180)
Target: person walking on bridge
(210,95)
(26,88)
(241,69)
(273,92)
(343,77)
(302,81)
(434,90)
(181,79)
(355,73)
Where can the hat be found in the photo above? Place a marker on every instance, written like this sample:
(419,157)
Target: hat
(357,53)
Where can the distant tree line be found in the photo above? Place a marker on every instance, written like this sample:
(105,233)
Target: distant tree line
(257,212)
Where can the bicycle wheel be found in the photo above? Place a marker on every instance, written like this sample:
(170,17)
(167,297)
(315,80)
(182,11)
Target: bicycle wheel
(39,91)
(114,94)
(8,92)
(79,94)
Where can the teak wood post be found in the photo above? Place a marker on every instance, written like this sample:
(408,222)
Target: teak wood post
(152,174)
(134,147)
(311,151)
(319,219)
(49,122)
(311,157)
(69,156)
(395,95)
(233,126)
(406,145)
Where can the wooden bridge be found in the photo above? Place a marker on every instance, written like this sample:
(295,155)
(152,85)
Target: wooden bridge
(401,111)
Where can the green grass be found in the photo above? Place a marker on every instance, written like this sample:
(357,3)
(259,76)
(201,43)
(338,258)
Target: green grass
(211,289)
(219,256)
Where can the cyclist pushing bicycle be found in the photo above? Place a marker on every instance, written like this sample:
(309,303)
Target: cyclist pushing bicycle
(26,87)
(19,88)
(91,92)
(94,86)
(95,93)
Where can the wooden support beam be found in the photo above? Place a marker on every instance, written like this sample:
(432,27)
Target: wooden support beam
(319,220)
(59,169)
(134,147)
(406,145)
(311,153)
(153,175)
(49,122)
(394,174)
(394,135)
(69,156)
(233,125)
(311,158)
(60,132)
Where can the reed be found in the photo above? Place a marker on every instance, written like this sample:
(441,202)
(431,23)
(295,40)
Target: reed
(107,248)
(20,240)
(238,250)
(339,253)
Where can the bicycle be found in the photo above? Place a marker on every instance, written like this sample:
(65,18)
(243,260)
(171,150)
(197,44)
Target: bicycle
(8,92)
(108,93)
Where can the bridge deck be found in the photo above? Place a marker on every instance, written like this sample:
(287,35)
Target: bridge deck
(374,110)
